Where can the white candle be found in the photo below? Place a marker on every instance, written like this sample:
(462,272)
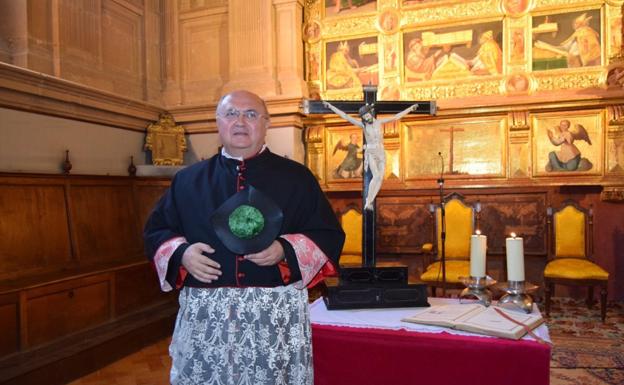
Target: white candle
(515,258)
(478,245)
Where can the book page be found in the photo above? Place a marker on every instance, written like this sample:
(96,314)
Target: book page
(445,315)
(490,322)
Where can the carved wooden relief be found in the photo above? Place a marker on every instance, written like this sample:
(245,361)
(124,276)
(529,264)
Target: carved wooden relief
(403,224)
(524,214)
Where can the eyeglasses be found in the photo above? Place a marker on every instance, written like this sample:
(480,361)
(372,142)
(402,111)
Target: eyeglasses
(233,114)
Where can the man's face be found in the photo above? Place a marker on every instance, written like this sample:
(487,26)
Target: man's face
(242,122)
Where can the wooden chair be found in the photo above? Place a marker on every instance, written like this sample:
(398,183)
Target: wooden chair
(570,231)
(351,221)
(460,225)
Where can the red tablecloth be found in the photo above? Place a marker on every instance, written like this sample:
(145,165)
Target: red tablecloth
(360,356)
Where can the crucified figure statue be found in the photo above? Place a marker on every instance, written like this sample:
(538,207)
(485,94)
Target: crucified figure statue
(374,154)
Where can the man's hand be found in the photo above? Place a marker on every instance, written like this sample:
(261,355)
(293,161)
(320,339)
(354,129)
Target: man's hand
(269,256)
(200,266)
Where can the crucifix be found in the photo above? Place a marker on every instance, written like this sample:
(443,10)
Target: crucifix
(374,156)
(451,130)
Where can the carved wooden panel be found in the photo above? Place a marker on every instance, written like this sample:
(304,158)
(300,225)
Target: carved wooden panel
(33,224)
(9,338)
(104,222)
(403,224)
(56,310)
(524,214)
(147,196)
(136,287)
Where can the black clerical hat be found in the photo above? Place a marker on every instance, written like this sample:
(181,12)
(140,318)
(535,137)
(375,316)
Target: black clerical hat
(248,222)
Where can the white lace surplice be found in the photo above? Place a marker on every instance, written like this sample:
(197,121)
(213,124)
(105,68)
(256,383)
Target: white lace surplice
(254,335)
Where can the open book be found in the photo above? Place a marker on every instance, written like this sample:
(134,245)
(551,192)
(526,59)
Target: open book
(477,318)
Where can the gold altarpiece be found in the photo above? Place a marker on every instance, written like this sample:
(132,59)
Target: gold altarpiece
(529,91)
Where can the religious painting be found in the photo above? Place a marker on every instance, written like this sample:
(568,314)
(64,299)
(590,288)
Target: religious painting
(349,7)
(390,54)
(615,152)
(389,21)
(515,7)
(616,36)
(312,31)
(517,45)
(344,154)
(418,2)
(461,148)
(567,40)
(567,144)
(351,63)
(453,52)
(519,83)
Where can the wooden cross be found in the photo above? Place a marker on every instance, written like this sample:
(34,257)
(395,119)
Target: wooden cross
(380,107)
(452,130)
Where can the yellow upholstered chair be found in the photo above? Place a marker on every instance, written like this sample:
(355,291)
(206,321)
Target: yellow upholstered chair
(460,225)
(570,251)
(351,221)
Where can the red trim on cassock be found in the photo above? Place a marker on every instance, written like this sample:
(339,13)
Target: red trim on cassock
(313,263)
(284,271)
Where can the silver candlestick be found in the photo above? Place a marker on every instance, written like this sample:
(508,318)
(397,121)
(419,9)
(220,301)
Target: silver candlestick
(516,295)
(477,288)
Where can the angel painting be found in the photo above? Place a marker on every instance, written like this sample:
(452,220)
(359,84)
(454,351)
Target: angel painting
(568,158)
(351,165)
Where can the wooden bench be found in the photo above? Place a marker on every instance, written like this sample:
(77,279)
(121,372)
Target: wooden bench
(76,291)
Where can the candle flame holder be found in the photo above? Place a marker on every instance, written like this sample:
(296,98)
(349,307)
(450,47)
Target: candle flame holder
(516,295)
(477,288)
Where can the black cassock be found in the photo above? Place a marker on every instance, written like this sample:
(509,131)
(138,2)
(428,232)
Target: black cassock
(198,190)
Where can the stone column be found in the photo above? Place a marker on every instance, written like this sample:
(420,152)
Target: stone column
(252,47)
(172,95)
(289,19)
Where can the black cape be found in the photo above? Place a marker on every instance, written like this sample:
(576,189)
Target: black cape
(198,190)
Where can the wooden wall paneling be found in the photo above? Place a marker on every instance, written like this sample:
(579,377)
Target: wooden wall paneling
(34,228)
(147,195)
(55,310)
(522,213)
(137,287)
(104,219)
(403,224)
(9,323)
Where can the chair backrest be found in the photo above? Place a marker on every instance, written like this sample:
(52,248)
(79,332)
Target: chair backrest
(570,231)
(460,223)
(351,222)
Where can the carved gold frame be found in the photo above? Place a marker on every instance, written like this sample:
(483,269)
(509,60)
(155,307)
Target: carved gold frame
(166,142)
(439,14)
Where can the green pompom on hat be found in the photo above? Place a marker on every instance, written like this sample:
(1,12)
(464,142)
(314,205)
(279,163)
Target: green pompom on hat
(246,222)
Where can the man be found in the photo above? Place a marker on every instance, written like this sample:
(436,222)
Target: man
(342,69)
(489,59)
(583,45)
(243,319)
